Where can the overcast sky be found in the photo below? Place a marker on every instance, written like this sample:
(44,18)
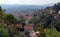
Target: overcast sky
(28,2)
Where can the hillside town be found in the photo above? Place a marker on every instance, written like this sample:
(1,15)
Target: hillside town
(40,23)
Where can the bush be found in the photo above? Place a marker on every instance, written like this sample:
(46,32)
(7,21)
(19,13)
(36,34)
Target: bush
(20,34)
(52,33)
(3,32)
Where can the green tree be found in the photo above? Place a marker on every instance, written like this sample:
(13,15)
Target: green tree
(3,32)
(52,33)
(1,14)
(9,20)
(21,19)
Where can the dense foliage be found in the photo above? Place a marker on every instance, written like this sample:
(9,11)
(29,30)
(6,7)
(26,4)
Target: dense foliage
(48,24)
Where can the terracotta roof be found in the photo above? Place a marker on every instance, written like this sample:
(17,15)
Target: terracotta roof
(34,35)
(28,27)
(18,25)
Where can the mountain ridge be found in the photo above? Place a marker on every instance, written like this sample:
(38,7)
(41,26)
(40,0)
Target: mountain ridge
(23,8)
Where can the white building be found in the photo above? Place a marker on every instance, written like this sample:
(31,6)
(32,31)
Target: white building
(58,12)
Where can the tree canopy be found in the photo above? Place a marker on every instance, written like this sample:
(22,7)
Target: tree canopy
(10,18)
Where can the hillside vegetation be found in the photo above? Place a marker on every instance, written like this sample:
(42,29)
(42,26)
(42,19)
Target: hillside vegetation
(46,21)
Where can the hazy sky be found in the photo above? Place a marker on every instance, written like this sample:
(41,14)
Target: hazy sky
(28,2)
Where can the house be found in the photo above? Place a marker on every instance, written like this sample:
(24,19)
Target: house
(27,17)
(58,12)
(19,27)
(52,11)
(29,27)
(35,34)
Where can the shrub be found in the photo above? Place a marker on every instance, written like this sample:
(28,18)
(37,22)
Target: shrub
(52,33)
(3,32)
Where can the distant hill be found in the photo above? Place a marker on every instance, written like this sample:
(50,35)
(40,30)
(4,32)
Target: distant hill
(23,8)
